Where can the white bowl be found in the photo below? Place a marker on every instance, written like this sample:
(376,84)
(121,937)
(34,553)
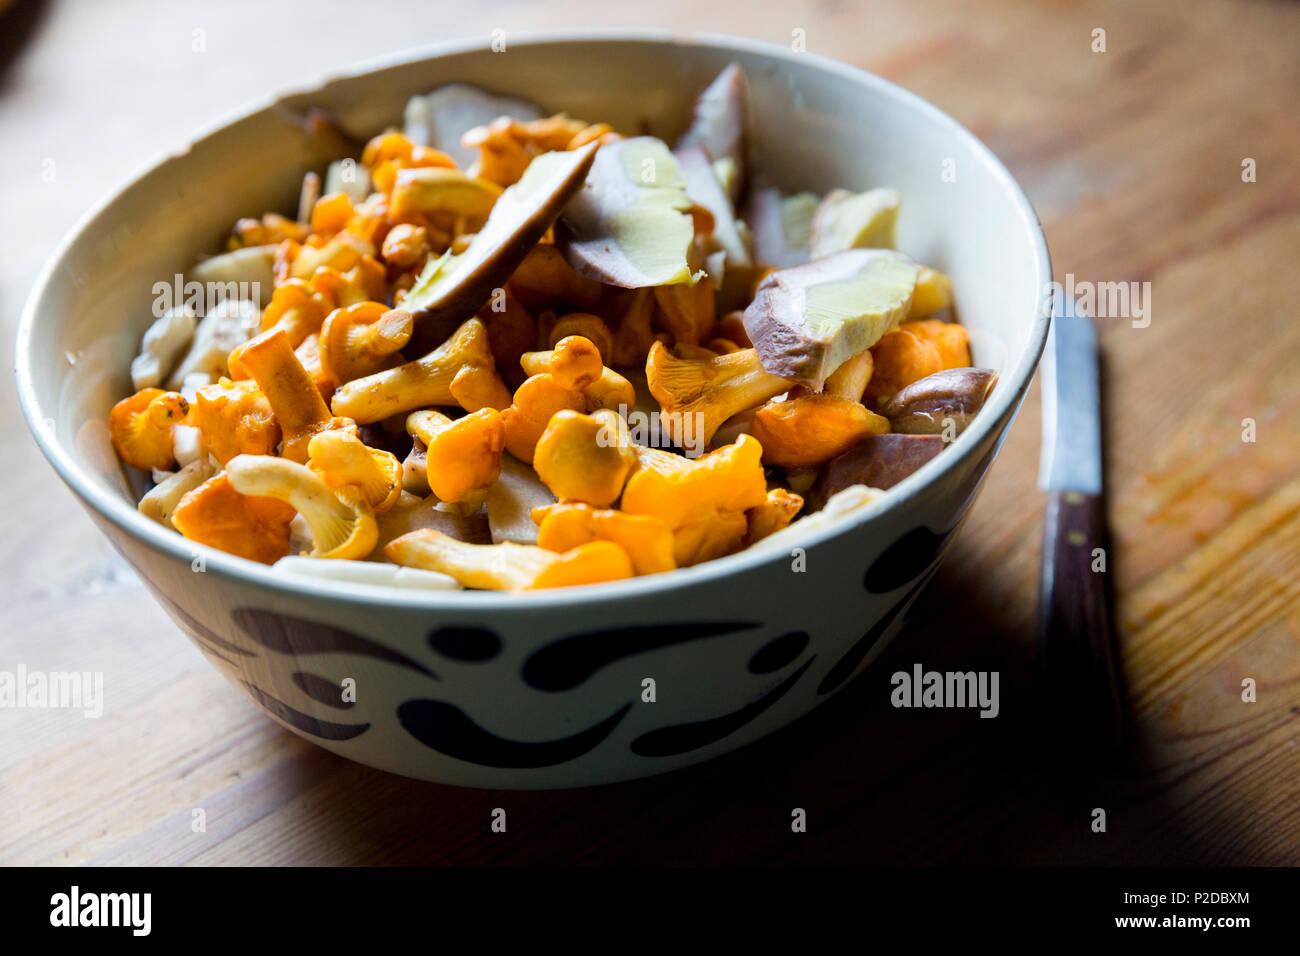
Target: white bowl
(545,689)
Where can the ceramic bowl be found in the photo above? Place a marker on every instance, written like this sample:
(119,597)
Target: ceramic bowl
(545,689)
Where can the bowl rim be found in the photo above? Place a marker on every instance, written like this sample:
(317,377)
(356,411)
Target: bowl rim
(116,510)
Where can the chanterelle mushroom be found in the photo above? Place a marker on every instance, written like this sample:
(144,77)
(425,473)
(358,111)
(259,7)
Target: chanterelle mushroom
(460,371)
(461,456)
(808,430)
(341,521)
(674,488)
(575,363)
(341,459)
(219,515)
(698,394)
(296,401)
(141,427)
(361,339)
(510,567)
(585,457)
(647,540)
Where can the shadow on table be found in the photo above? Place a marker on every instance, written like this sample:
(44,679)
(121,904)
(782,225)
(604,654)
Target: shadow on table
(879,785)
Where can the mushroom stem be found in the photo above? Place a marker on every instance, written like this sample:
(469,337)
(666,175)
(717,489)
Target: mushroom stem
(297,403)
(507,566)
(850,379)
(458,372)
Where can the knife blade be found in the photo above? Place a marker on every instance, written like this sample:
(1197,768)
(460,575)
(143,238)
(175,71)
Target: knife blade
(1076,641)
(1071,456)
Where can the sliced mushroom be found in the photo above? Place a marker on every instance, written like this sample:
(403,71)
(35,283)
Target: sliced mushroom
(703,187)
(629,224)
(251,266)
(721,125)
(518,220)
(808,320)
(231,323)
(512,498)
(164,342)
(379,573)
(781,226)
(848,220)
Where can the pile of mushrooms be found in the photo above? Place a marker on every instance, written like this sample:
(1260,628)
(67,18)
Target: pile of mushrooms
(507,350)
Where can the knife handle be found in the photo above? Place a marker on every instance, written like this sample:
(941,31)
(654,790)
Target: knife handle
(1076,642)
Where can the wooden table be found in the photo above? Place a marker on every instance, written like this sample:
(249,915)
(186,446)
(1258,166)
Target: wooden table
(1133,158)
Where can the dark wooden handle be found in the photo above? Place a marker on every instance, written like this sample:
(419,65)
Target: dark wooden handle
(1076,641)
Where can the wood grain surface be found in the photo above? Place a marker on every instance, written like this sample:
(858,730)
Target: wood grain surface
(1133,158)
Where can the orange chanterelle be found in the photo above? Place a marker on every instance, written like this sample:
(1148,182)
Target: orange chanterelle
(506,350)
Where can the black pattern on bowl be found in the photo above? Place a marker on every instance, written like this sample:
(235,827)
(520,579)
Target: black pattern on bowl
(567,663)
(449,730)
(286,634)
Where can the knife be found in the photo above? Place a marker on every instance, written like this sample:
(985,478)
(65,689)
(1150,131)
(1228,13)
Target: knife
(1076,641)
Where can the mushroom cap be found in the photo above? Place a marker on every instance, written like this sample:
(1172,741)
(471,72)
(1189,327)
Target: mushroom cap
(217,514)
(341,459)
(647,540)
(140,427)
(235,419)
(809,430)
(584,457)
(360,339)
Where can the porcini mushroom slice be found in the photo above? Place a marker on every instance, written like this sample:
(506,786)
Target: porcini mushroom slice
(721,125)
(927,406)
(519,218)
(848,220)
(878,461)
(703,187)
(162,346)
(781,226)
(413,513)
(808,320)
(629,224)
